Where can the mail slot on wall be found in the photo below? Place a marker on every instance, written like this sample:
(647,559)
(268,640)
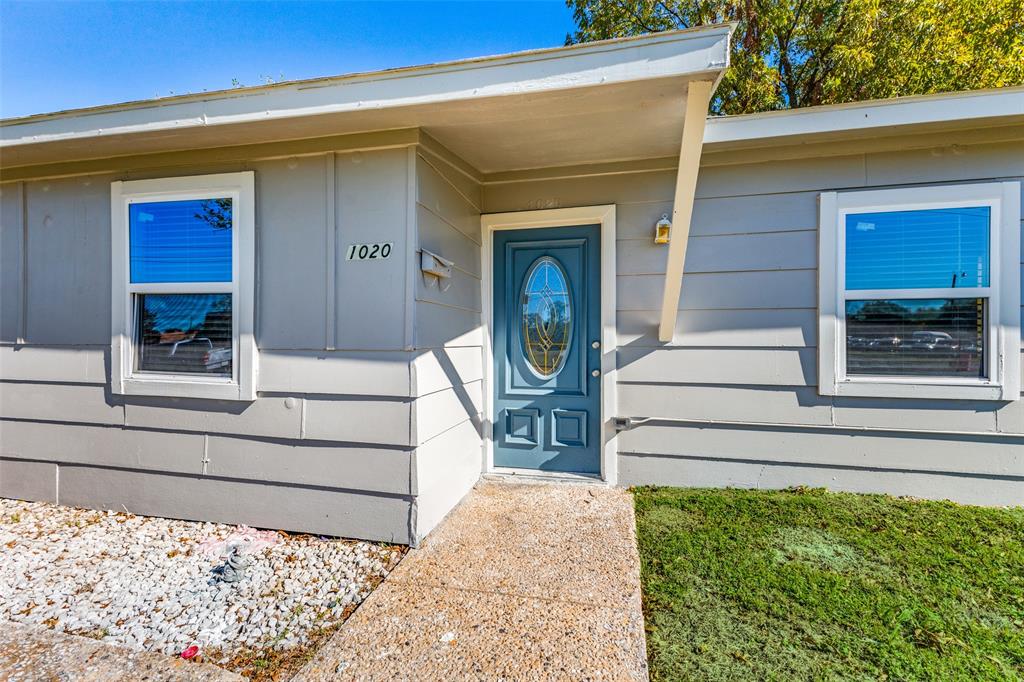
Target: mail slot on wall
(432,264)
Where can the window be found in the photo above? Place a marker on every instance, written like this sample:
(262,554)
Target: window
(919,292)
(183,253)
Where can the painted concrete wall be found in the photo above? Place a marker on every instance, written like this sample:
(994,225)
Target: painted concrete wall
(746,346)
(330,444)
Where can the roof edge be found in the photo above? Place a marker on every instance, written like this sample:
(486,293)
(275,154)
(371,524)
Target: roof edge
(382,74)
(994,106)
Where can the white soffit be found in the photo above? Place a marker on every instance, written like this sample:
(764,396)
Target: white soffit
(612,99)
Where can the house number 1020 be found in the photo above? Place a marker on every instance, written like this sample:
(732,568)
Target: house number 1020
(369,251)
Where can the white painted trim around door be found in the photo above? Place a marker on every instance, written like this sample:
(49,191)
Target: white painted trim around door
(556,217)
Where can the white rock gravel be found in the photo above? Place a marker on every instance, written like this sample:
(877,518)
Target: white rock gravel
(142,582)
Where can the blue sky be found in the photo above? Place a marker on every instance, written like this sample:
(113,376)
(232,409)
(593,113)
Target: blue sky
(60,55)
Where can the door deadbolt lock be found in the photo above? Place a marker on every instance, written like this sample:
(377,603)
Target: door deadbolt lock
(595,373)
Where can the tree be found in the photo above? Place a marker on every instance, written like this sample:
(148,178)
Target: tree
(216,213)
(799,53)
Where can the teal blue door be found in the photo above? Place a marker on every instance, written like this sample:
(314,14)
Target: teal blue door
(547,351)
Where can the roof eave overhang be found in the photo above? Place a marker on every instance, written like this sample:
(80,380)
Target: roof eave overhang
(921,114)
(401,97)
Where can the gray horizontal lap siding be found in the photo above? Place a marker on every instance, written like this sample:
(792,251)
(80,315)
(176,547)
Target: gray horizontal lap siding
(329,444)
(321,510)
(745,351)
(272,460)
(363,431)
(447,370)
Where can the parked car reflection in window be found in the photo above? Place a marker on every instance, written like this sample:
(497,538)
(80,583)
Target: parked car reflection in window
(185,333)
(941,337)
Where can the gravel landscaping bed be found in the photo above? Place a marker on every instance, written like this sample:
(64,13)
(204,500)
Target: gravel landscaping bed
(161,585)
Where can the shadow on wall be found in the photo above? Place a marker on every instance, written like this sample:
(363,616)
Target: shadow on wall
(458,385)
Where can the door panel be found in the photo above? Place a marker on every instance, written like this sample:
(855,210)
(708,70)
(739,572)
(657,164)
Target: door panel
(547,320)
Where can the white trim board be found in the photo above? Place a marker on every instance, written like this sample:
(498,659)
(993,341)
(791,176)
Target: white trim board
(698,94)
(240,187)
(1002,353)
(556,217)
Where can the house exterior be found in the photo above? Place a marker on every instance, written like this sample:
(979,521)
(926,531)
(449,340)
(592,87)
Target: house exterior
(333,305)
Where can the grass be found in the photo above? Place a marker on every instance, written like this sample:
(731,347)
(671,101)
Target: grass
(810,585)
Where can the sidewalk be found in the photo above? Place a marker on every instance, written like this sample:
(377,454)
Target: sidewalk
(520,582)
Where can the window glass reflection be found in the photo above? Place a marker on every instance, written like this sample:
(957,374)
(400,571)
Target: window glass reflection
(546,317)
(916,337)
(183,333)
(934,248)
(180,241)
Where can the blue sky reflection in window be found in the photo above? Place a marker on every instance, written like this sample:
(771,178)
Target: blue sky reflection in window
(186,313)
(180,241)
(923,249)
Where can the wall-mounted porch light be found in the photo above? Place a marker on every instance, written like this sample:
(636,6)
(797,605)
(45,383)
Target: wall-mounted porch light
(662,230)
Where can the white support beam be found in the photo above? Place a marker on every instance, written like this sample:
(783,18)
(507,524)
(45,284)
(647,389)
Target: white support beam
(698,95)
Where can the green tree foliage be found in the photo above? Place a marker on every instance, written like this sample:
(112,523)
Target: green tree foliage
(799,53)
(216,213)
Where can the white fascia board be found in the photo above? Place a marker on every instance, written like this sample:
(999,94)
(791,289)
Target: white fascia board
(867,117)
(665,55)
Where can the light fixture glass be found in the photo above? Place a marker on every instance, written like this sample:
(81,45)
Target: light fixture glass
(662,230)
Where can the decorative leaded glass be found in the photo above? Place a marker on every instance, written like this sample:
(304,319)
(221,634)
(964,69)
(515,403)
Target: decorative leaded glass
(546,317)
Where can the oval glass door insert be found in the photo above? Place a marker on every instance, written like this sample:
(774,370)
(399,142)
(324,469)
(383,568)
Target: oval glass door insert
(546,317)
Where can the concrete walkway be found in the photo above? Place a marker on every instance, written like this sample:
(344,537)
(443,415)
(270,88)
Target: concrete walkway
(521,582)
(34,653)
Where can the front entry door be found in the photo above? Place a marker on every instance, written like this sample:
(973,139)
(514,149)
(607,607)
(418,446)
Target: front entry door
(547,350)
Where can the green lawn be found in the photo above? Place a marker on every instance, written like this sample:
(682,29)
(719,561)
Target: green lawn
(742,584)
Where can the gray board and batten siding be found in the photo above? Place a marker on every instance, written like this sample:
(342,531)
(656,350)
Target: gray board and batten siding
(368,422)
(331,443)
(745,348)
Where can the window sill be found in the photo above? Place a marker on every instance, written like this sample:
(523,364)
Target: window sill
(184,388)
(947,390)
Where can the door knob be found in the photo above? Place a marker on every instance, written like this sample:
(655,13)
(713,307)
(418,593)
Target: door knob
(595,373)
(595,344)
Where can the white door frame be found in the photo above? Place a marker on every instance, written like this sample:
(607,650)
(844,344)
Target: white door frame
(555,217)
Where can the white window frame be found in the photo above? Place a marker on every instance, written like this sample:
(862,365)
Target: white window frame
(1002,338)
(241,385)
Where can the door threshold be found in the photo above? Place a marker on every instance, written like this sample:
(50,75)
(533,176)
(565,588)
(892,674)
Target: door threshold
(548,477)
